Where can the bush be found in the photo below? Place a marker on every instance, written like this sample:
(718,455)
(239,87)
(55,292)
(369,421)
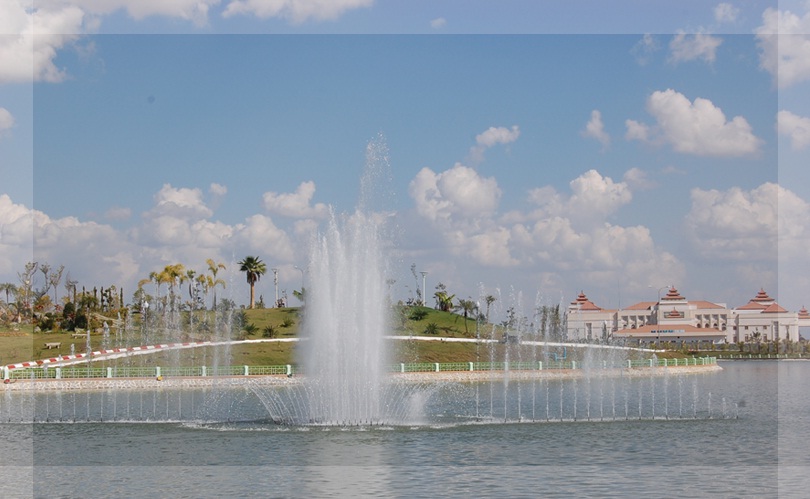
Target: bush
(418,314)
(268,332)
(432,328)
(250,329)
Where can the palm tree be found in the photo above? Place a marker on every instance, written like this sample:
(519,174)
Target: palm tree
(214,268)
(253,268)
(444,302)
(467,307)
(8,287)
(490,300)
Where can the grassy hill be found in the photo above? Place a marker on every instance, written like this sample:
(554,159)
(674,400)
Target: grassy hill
(24,344)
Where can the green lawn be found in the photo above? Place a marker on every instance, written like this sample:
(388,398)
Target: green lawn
(24,345)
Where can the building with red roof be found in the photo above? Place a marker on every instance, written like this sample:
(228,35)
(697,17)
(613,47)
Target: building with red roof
(674,318)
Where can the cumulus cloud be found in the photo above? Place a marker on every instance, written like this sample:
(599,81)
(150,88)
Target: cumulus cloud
(698,127)
(16,235)
(31,39)
(593,198)
(295,204)
(295,11)
(458,192)
(6,121)
(260,234)
(34,32)
(794,126)
(726,13)
(748,226)
(180,203)
(491,137)
(685,47)
(784,44)
(595,129)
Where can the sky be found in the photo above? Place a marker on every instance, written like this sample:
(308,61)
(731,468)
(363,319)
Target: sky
(532,150)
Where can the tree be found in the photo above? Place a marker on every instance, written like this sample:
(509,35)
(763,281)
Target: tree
(467,307)
(490,300)
(444,302)
(9,288)
(214,268)
(301,295)
(253,268)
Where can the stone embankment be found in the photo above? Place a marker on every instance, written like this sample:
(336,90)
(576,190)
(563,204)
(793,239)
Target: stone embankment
(179,383)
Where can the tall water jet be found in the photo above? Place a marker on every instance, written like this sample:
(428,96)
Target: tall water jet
(346,312)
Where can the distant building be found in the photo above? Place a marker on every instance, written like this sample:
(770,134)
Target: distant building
(674,318)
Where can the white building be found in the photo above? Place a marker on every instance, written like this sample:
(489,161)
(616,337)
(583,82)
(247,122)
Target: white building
(674,318)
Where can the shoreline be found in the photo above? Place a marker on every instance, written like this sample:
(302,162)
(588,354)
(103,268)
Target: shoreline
(179,383)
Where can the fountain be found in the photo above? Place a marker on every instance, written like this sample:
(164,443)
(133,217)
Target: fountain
(344,377)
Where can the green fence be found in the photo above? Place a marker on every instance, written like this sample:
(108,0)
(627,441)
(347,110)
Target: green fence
(290,370)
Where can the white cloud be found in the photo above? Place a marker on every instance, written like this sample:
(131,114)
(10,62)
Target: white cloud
(698,127)
(118,213)
(593,198)
(637,131)
(784,43)
(260,235)
(794,126)
(685,47)
(749,226)
(295,11)
(491,137)
(6,121)
(726,13)
(637,178)
(295,204)
(180,203)
(595,129)
(217,190)
(32,33)
(16,236)
(644,49)
(438,23)
(458,192)
(31,37)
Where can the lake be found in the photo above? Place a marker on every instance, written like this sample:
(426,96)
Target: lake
(742,432)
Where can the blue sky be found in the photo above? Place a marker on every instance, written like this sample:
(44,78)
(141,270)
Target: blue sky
(651,148)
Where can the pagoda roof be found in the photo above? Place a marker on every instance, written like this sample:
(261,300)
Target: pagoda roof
(673,295)
(761,296)
(583,303)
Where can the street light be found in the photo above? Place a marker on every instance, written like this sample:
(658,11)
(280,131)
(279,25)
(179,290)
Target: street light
(424,273)
(275,282)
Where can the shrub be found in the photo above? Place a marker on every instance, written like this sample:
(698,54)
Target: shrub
(250,329)
(287,323)
(268,332)
(431,328)
(418,314)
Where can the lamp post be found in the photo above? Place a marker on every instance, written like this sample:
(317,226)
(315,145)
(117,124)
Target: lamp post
(424,273)
(275,282)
